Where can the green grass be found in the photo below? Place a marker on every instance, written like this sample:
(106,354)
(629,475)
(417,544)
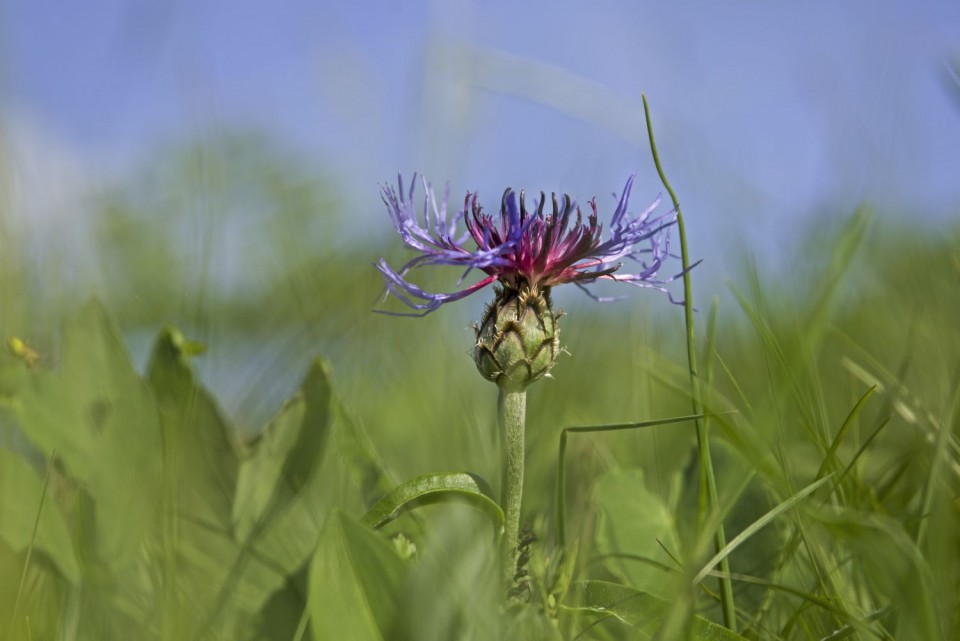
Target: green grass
(832,393)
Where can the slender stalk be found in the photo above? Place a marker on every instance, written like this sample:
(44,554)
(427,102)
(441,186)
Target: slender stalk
(560,496)
(511,412)
(33,540)
(708,485)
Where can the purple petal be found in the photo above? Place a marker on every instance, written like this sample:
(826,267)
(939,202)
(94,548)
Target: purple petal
(408,293)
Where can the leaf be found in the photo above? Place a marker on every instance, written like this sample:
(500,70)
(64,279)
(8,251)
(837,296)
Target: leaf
(199,457)
(286,455)
(634,528)
(348,476)
(435,488)
(644,612)
(355,453)
(200,468)
(274,521)
(310,460)
(212,567)
(354,584)
(102,420)
(21,490)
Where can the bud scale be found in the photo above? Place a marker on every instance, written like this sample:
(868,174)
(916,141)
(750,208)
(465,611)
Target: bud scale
(517,339)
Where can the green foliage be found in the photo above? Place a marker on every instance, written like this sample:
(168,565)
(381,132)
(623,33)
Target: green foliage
(284,456)
(171,515)
(100,417)
(643,612)
(435,488)
(636,532)
(155,521)
(355,576)
(21,491)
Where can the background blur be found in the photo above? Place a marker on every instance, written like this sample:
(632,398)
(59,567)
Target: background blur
(195,163)
(215,166)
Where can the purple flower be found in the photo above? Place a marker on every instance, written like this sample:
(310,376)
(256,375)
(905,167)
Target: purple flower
(524,247)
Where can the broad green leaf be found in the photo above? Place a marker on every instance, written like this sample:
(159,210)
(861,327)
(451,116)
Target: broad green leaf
(290,534)
(644,612)
(275,518)
(435,488)
(200,462)
(354,451)
(348,476)
(285,455)
(212,571)
(220,580)
(21,490)
(311,460)
(633,528)
(102,420)
(355,581)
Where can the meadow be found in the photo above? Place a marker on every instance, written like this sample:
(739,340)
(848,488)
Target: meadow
(188,457)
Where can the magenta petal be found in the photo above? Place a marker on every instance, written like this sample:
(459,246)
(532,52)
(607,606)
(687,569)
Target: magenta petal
(525,247)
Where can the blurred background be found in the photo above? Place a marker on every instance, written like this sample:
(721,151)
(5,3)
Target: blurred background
(215,165)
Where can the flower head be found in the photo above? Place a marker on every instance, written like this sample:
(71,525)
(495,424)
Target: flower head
(524,249)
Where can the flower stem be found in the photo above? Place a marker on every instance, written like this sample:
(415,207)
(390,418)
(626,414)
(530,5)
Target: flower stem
(511,413)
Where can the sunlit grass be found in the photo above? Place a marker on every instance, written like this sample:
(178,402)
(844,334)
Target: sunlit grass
(169,515)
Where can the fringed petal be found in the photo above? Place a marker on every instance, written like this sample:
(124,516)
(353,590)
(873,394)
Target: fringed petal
(522,247)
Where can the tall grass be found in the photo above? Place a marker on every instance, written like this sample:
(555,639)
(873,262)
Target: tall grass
(833,394)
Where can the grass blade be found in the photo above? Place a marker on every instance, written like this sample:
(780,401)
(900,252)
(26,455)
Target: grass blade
(760,523)
(847,423)
(709,501)
(33,539)
(939,455)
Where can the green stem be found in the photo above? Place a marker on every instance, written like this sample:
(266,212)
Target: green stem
(33,540)
(511,412)
(560,509)
(708,486)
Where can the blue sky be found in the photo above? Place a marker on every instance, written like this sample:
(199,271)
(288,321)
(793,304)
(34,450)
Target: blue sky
(767,113)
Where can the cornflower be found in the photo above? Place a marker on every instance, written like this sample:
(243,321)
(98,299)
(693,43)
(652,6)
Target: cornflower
(520,248)
(525,253)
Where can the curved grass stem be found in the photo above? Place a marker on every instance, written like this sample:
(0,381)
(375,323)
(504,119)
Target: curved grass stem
(708,483)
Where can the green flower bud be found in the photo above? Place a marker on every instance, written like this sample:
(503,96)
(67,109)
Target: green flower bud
(517,340)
